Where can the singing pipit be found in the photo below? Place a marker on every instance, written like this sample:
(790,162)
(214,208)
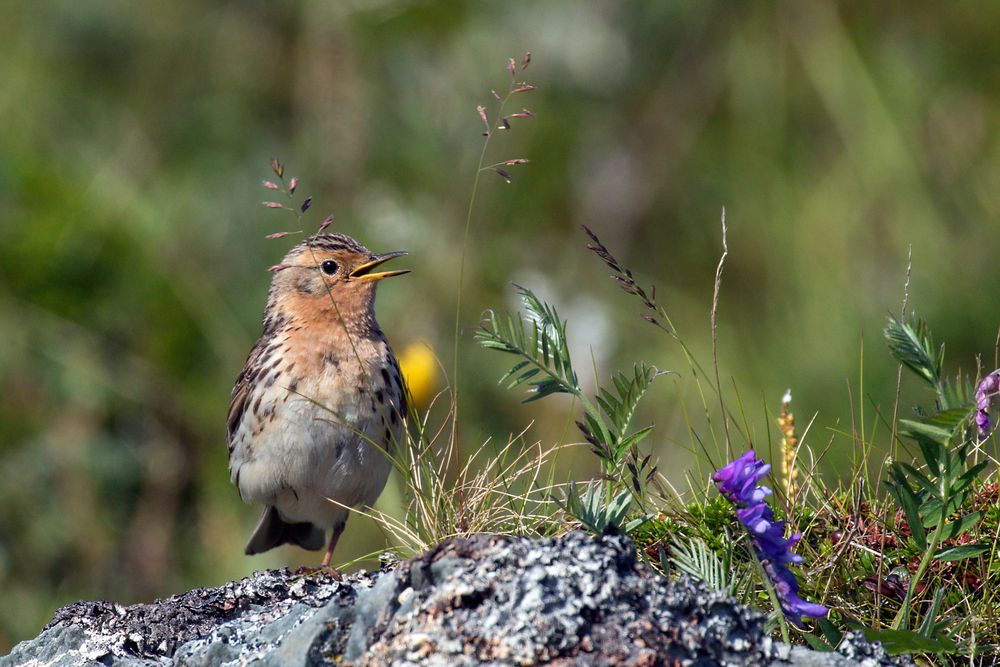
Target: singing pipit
(320,400)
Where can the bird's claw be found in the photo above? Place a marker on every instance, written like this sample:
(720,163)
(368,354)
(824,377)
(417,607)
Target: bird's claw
(329,570)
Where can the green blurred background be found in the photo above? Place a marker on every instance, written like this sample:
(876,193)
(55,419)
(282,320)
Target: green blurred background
(132,252)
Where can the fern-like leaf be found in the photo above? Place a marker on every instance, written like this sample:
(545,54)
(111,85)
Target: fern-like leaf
(545,363)
(698,561)
(599,511)
(912,345)
(957,394)
(619,406)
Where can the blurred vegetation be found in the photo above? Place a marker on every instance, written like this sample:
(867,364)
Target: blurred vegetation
(132,252)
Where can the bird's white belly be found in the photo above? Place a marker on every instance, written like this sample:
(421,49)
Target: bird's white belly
(310,465)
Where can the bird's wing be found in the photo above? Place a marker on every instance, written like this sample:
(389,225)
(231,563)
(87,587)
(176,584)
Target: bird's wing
(402,389)
(241,392)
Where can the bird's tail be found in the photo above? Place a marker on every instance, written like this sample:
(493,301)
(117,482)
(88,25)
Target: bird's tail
(273,531)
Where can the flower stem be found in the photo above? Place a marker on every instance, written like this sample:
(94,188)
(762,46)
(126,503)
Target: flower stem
(773,594)
(932,545)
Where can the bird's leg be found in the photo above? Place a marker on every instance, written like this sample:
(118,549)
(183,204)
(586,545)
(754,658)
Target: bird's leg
(325,566)
(328,556)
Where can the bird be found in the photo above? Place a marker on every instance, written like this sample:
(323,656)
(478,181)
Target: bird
(320,403)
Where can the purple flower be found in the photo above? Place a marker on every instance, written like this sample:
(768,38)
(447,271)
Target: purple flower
(738,482)
(768,534)
(787,588)
(986,395)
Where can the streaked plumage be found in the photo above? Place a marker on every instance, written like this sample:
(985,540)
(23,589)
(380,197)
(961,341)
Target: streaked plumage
(320,399)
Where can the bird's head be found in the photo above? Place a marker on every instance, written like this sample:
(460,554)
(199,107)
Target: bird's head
(328,269)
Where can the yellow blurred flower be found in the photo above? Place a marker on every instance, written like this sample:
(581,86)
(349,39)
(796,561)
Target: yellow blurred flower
(420,370)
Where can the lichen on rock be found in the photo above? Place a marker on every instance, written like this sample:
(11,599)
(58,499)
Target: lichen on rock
(570,600)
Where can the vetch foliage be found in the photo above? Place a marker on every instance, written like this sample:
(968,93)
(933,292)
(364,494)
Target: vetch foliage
(933,498)
(545,365)
(599,511)
(696,559)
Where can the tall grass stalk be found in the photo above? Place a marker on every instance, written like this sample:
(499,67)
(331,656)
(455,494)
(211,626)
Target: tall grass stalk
(499,123)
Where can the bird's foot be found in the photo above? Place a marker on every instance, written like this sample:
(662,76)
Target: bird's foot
(328,570)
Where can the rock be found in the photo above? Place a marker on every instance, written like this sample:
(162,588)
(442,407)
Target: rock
(258,616)
(572,600)
(575,599)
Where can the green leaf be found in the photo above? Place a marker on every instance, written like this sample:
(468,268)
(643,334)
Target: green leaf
(525,376)
(697,560)
(597,428)
(955,463)
(912,345)
(636,438)
(936,433)
(830,631)
(934,453)
(969,476)
(817,644)
(606,403)
(959,395)
(953,529)
(931,510)
(922,480)
(951,419)
(514,369)
(636,524)
(621,405)
(908,641)
(927,626)
(545,363)
(907,500)
(598,511)
(962,552)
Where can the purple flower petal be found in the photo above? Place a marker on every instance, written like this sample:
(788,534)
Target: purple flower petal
(739,482)
(986,396)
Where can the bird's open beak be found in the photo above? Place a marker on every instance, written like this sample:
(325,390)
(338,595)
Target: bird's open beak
(363,272)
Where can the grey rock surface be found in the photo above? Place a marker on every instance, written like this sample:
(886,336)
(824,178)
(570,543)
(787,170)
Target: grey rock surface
(572,600)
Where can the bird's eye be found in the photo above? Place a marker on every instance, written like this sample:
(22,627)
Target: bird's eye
(329,267)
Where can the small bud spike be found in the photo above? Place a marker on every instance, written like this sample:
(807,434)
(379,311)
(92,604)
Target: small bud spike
(481,110)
